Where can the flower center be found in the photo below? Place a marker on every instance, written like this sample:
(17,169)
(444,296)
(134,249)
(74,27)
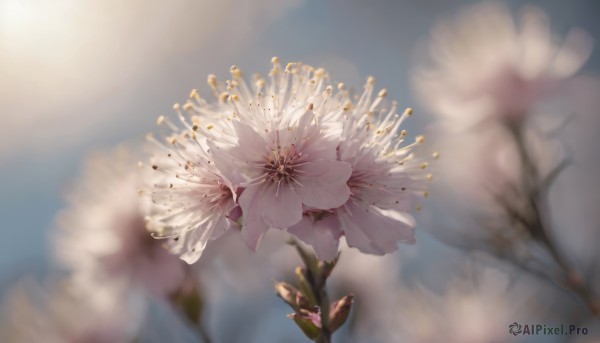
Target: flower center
(281,166)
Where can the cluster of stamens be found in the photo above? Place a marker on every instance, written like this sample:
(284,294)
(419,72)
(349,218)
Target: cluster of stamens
(281,166)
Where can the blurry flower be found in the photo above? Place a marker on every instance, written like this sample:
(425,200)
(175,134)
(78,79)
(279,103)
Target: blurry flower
(60,314)
(103,237)
(477,311)
(484,65)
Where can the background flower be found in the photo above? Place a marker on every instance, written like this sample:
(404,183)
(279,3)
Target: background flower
(484,64)
(102,237)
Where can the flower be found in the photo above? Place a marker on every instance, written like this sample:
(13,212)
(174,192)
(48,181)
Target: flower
(287,158)
(288,153)
(33,313)
(385,182)
(192,202)
(483,65)
(102,236)
(477,308)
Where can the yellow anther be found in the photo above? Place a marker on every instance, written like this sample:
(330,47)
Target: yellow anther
(436,155)
(408,111)
(209,127)
(223,97)
(347,106)
(420,139)
(274,59)
(424,165)
(160,120)
(194,94)
(382,93)
(212,81)
(319,73)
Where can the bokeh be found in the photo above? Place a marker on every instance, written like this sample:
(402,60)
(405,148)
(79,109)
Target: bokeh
(83,76)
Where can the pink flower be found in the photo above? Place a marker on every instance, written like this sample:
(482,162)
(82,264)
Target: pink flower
(103,237)
(284,159)
(192,202)
(293,154)
(483,65)
(385,182)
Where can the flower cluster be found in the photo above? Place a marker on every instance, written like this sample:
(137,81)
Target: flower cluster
(291,152)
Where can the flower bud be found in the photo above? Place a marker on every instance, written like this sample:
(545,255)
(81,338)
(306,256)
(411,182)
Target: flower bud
(339,312)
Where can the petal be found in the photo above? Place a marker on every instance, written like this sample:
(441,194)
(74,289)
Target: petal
(226,164)
(375,231)
(323,235)
(253,226)
(575,51)
(280,206)
(251,145)
(265,206)
(324,184)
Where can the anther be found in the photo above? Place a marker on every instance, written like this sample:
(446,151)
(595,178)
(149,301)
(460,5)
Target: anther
(212,81)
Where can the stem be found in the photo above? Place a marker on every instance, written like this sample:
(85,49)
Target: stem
(201,330)
(323,301)
(573,282)
(317,281)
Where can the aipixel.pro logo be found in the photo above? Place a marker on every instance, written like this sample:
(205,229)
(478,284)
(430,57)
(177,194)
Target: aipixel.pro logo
(543,329)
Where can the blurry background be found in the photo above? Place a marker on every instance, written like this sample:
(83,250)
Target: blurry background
(82,75)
